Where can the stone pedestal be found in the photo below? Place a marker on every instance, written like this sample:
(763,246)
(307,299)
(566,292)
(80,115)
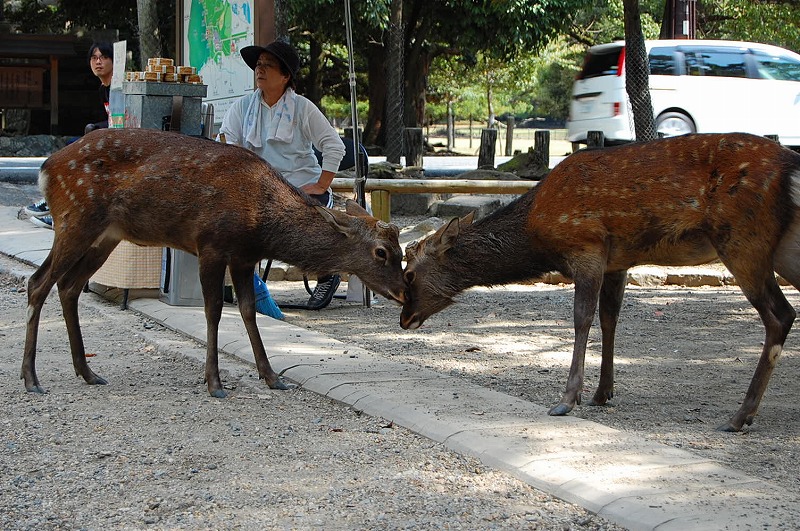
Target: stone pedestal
(149,105)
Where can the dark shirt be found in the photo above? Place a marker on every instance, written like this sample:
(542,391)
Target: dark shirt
(105,92)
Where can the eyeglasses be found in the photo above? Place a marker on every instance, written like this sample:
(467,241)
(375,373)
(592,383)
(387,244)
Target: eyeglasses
(99,58)
(266,64)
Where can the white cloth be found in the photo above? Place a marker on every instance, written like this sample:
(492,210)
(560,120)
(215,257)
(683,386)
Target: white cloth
(285,136)
(280,127)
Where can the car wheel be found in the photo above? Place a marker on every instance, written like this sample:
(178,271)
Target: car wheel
(674,124)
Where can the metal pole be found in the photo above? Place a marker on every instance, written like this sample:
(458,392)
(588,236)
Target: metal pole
(360,172)
(360,179)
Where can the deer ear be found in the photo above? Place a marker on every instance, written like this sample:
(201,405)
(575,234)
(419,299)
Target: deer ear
(354,209)
(444,238)
(338,220)
(468,218)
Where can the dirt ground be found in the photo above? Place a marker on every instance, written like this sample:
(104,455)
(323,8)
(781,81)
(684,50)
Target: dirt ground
(684,359)
(152,450)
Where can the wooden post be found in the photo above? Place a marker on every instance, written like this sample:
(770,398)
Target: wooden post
(595,139)
(486,153)
(413,146)
(541,148)
(381,201)
(509,135)
(470,132)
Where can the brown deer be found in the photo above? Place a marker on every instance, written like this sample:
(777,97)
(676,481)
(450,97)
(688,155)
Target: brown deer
(680,201)
(219,202)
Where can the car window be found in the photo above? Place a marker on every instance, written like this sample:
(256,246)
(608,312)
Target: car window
(601,64)
(715,62)
(777,67)
(662,62)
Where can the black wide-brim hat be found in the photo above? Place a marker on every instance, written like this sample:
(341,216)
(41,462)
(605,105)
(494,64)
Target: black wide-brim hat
(284,52)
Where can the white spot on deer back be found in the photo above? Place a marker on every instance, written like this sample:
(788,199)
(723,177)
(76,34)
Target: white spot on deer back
(72,164)
(87,168)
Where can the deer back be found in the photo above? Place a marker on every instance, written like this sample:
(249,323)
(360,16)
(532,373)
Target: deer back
(152,187)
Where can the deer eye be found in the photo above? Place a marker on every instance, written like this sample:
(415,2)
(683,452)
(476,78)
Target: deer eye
(380,252)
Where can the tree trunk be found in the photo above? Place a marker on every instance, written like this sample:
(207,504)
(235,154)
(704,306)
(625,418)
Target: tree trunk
(377,94)
(415,91)
(393,134)
(637,73)
(147,17)
(281,26)
(313,90)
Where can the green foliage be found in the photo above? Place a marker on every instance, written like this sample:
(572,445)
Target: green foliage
(770,22)
(338,109)
(83,17)
(29,16)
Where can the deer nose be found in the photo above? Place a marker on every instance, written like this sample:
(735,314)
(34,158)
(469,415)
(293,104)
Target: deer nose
(409,322)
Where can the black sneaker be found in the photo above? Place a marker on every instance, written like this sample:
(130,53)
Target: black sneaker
(36,210)
(324,292)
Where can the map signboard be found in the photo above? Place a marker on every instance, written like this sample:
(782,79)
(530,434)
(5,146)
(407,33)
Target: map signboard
(213,33)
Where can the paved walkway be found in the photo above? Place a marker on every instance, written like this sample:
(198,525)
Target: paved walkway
(633,482)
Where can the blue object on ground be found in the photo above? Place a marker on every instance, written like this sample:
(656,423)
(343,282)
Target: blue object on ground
(265,304)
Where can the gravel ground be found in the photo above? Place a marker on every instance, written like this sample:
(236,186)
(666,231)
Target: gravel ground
(152,450)
(685,357)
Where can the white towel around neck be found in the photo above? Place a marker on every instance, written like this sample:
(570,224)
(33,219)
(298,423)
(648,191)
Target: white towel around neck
(281,126)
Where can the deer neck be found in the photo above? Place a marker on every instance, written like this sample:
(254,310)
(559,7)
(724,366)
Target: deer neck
(498,249)
(310,243)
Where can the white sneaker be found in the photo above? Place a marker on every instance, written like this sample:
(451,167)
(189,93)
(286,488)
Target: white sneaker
(45,221)
(36,210)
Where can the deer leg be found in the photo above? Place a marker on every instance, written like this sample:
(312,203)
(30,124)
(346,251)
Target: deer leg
(212,278)
(39,286)
(777,315)
(587,289)
(70,287)
(611,294)
(62,258)
(242,276)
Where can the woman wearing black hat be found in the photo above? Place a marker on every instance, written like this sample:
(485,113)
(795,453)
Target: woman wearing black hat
(281,126)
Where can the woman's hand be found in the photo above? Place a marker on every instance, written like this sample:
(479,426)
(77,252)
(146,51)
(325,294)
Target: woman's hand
(321,186)
(314,189)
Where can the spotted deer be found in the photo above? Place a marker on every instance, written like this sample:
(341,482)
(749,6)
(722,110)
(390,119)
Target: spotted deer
(680,201)
(219,202)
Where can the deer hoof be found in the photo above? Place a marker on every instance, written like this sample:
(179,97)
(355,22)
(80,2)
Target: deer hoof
(96,380)
(218,393)
(36,389)
(280,385)
(559,410)
(600,398)
(729,428)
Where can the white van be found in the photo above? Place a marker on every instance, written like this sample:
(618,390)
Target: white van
(696,86)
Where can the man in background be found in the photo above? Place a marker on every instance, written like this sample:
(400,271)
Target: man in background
(101,61)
